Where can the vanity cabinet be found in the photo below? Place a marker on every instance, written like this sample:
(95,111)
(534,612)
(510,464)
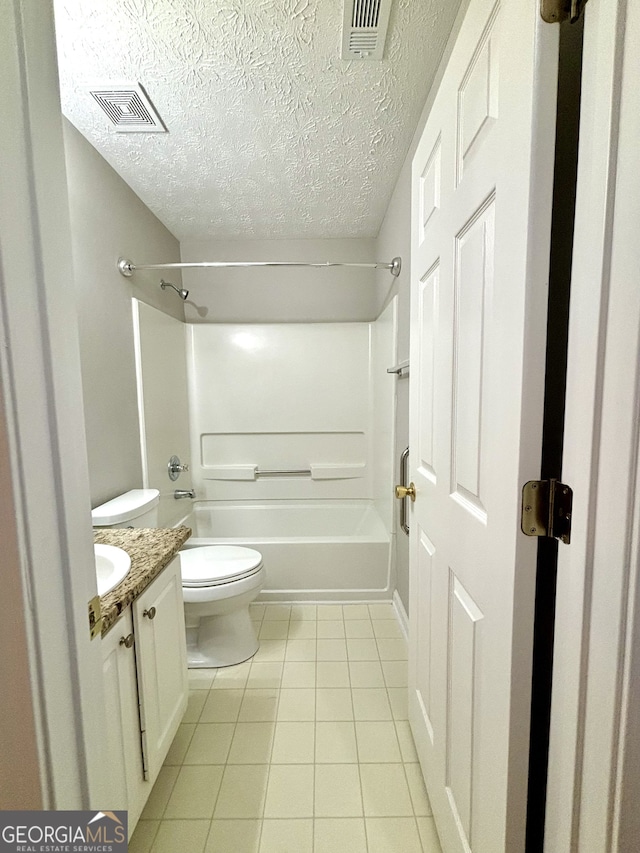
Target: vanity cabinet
(145,690)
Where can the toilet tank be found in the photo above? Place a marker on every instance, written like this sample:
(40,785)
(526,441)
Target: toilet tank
(137,508)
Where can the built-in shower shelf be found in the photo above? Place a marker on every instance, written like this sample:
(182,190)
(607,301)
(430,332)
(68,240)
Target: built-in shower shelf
(325,471)
(400,369)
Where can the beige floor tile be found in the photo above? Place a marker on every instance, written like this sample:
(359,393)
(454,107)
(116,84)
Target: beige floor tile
(297,705)
(174,835)
(251,743)
(377,742)
(273,631)
(331,629)
(257,610)
(358,629)
(395,673)
(142,838)
(201,679)
(210,743)
(233,836)
(336,743)
(195,792)
(399,698)
(333,704)
(362,650)
(270,650)
(290,791)
(222,706)
(339,835)
(232,677)
(371,703)
(385,791)
(405,739)
(160,793)
(428,835)
(337,790)
(242,791)
(330,673)
(299,674)
(331,650)
(302,629)
(197,699)
(277,612)
(388,650)
(180,744)
(393,835)
(259,706)
(303,612)
(366,673)
(287,836)
(301,650)
(294,743)
(382,611)
(387,628)
(329,611)
(419,796)
(355,611)
(265,674)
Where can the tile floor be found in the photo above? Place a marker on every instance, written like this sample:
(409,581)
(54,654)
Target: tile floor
(304,749)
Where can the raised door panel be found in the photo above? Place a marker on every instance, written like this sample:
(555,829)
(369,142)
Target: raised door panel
(162,664)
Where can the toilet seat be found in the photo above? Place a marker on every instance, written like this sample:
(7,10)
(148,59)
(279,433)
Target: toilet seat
(214,565)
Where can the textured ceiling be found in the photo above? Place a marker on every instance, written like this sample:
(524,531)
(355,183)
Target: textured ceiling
(271,134)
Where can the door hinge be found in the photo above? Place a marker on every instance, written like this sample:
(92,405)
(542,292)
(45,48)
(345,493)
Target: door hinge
(95,617)
(546,509)
(557,11)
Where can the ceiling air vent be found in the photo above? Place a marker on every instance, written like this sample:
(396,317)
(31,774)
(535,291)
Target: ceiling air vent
(128,108)
(364,28)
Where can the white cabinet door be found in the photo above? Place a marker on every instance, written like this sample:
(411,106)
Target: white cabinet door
(481,214)
(161,657)
(124,764)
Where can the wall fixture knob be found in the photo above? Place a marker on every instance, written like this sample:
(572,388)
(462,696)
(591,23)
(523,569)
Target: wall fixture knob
(127,642)
(175,468)
(406,492)
(151,613)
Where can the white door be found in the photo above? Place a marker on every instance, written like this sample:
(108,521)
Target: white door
(161,660)
(481,214)
(594,762)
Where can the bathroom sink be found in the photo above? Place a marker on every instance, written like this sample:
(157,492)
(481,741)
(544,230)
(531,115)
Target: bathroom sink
(112,566)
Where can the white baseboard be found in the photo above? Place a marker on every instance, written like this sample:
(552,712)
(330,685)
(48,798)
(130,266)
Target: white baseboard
(401,613)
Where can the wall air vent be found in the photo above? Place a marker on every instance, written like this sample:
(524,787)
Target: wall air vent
(128,108)
(364,28)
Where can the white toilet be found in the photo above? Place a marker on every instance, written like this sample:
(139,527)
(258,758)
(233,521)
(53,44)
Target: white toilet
(218,584)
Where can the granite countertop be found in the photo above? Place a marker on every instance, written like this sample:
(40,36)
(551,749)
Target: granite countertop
(151,550)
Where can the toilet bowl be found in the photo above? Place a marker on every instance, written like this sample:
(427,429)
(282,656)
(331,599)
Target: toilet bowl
(218,584)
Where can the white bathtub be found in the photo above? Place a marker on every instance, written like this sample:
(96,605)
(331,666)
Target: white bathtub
(331,550)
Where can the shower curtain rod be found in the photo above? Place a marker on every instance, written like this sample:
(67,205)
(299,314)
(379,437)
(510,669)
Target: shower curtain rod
(127,268)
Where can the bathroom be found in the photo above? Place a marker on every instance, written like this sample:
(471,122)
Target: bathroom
(106,377)
(267,368)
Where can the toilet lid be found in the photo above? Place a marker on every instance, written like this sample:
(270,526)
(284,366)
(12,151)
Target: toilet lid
(210,565)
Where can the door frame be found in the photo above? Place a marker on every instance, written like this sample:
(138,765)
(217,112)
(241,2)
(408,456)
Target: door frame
(594,766)
(52,567)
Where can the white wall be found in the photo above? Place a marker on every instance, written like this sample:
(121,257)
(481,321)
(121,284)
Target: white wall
(395,236)
(281,295)
(161,368)
(281,396)
(108,220)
